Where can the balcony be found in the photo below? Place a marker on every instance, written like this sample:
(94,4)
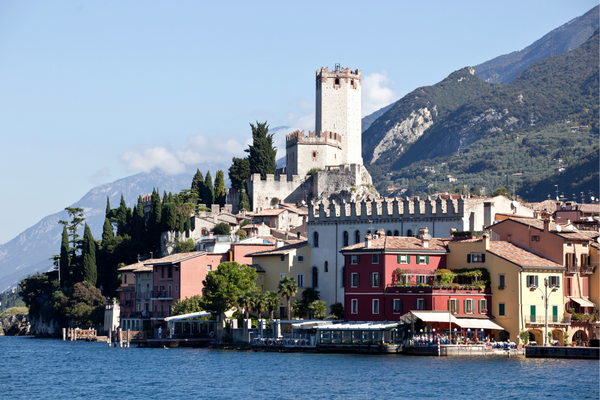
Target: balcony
(439,288)
(540,320)
(143,295)
(572,269)
(161,295)
(588,269)
(126,288)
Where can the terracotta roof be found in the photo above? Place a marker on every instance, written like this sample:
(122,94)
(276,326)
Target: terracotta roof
(175,258)
(137,265)
(519,256)
(293,208)
(590,208)
(271,212)
(389,243)
(579,235)
(546,205)
(280,251)
(533,222)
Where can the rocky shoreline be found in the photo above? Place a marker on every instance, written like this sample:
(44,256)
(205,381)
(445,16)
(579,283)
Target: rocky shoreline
(15,325)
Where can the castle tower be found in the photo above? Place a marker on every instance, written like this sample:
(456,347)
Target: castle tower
(338,109)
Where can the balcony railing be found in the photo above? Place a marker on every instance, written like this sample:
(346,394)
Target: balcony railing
(587,269)
(162,295)
(552,320)
(573,269)
(437,288)
(143,295)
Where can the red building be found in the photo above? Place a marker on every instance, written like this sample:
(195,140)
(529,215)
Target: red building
(389,276)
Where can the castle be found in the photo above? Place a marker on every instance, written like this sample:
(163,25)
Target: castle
(333,148)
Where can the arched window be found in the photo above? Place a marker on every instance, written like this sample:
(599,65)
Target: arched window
(315,277)
(357,237)
(345,238)
(409,233)
(316,239)
(396,233)
(326,266)
(389,233)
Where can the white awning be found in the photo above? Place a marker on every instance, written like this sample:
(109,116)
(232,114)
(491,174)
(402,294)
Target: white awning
(477,323)
(583,302)
(310,324)
(188,316)
(373,326)
(433,316)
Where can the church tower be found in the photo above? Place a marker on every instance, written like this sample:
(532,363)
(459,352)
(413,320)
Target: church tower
(338,108)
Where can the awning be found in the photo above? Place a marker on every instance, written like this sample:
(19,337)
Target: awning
(310,324)
(477,323)
(373,326)
(188,316)
(583,302)
(430,316)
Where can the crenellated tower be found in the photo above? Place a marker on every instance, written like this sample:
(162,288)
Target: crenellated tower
(338,109)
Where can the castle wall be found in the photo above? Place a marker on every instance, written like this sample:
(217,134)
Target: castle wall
(287,191)
(337,178)
(338,109)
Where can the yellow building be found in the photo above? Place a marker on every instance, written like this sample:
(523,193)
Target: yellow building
(517,280)
(595,284)
(286,261)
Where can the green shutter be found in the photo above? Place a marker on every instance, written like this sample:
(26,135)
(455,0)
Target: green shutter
(408,258)
(465,306)
(416,304)
(527,280)
(558,281)
(418,259)
(399,258)
(501,309)
(532,312)
(426,259)
(468,258)
(536,281)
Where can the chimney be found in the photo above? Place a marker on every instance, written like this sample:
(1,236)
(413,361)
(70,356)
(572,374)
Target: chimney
(278,244)
(368,238)
(486,239)
(546,225)
(425,237)
(380,233)
(568,221)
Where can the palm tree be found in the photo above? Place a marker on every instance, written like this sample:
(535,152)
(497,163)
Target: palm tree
(272,301)
(260,303)
(288,288)
(245,301)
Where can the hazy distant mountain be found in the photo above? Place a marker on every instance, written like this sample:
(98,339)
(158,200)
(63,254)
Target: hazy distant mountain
(369,119)
(30,251)
(506,68)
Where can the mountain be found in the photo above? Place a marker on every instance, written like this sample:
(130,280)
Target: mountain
(367,121)
(30,251)
(435,124)
(505,68)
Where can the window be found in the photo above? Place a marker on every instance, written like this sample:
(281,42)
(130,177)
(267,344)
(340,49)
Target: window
(501,309)
(315,277)
(532,281)
(397,306)
(569,244)
(281,276)
(476,258)
(375,259)
(345,238)
(375,279)
(396,233)
(209,267)
(422,279)
(124,278)
(585,260)
(326,266)
(453,306)
(282,258)
(420,304)
(469,306)
(300,279)
(584,245)
(176,288)
(375,306)
(554,281)
(409,233)
(343,278)
(354,306)
(316,239)
(357,237)
(422,260)
(354,259)
(403,259)
(535,238)
(483,306)
(170,272)
(501,281)
(569,287)
(337,81)
(162,273)
(300,258)
(354,279)
(389,233)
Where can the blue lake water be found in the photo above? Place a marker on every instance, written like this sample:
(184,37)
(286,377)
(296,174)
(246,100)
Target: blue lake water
(53,369)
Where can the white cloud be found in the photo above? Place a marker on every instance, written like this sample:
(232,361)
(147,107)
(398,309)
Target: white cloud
(198,149)
(375,93)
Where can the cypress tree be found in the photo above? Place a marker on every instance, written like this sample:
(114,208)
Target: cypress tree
(188,223)
(198,185)
(220,195)
(181,218)
(122,218)
(89,271)
(139,224)
(262,153)
(107,206)
(107,232)
(208,196)
(65,257)
(244,201)
(155,219)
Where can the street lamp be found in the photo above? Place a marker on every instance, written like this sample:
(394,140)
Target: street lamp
(545,297)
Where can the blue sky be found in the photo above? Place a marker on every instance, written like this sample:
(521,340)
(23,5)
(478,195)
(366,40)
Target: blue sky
(91,92)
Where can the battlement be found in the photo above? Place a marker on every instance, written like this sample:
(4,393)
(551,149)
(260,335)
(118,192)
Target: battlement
(326,137)
(338,73)
(282,178)
(387,208)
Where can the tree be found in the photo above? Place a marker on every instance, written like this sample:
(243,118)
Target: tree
(242,234)
(122,218)
(185,246)
(318,309)
(245,301)
(239,172)
(90,272)
(337,309)
(502,192)
(107,231)
(219,194)
(222,229)
(77,219)
(262,153)
(154,220)
(272,301)
(86,305)
(259,304)
(65,258)
(198,185)
(226,284)
(309,295)
(208,196)
(288,288)
(187,306)
(244,201)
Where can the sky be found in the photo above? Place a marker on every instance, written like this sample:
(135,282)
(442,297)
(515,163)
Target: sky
(92,92)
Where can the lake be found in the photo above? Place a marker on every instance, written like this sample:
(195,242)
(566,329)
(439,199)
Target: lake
(52,369)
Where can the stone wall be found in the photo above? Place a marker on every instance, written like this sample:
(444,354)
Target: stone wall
(287,191)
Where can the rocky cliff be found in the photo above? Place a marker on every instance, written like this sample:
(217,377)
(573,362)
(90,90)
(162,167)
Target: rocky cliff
(15,325)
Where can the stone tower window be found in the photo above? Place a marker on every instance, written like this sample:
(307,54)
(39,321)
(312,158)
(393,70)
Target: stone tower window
(314,155)
(337,82)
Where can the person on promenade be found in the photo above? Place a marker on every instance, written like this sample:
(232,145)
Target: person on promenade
(160,332)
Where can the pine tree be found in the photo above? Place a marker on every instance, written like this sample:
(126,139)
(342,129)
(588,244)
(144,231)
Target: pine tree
(89,270)
(262,153)
(220,195)
(208,196)
(198,185)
